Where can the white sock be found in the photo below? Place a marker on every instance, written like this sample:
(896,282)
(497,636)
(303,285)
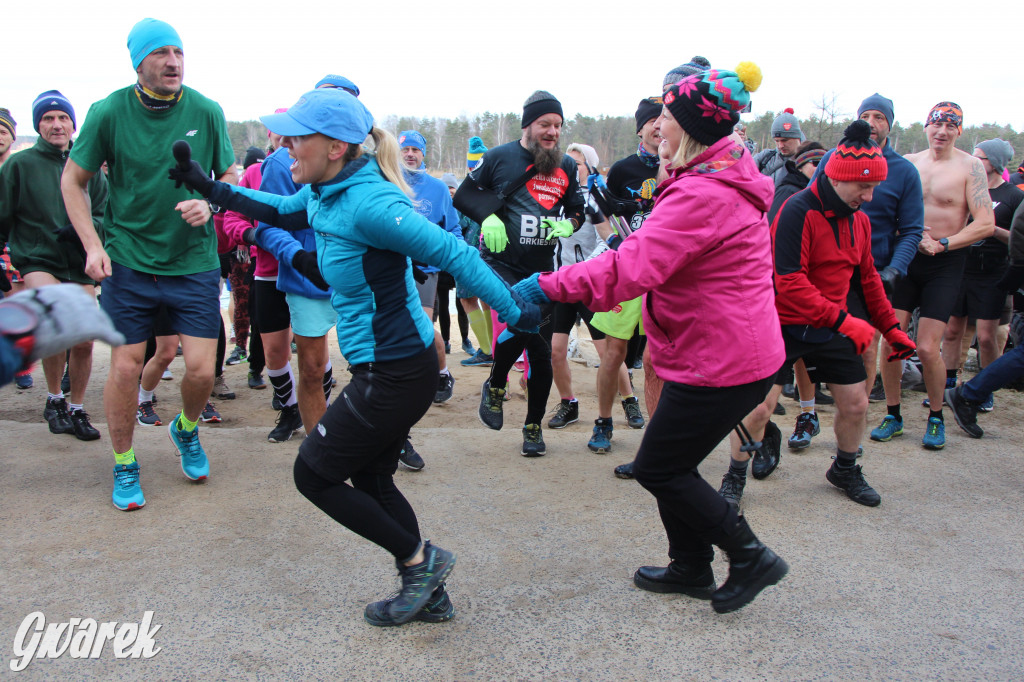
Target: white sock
(51,396)
(807,405)
(74,408)
(145,396)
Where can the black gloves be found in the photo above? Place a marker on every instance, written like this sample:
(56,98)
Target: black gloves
(890,276)
(304,263)
(195,179)
(1012,278)
(249,236)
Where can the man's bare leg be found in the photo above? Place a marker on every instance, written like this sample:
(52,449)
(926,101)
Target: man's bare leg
(608,374)
(933,369)
(851,415)
(870,357)
(120,393)
(560,365)
(200,356)
(652,383)
(313,355)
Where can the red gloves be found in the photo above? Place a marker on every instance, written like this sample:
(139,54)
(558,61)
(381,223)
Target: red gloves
(902,346)
(858,331)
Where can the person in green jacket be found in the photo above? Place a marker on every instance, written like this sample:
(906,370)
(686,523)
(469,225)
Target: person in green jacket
(32,216)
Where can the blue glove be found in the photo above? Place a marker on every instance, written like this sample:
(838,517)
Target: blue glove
(529,290)
(596,179)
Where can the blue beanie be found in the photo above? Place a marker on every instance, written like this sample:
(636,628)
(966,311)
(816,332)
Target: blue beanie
(149,35)
(476,145)
(877,103)
(51,100)
(411,138)
(333,81)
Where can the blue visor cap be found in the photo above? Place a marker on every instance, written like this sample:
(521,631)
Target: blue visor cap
(328,111)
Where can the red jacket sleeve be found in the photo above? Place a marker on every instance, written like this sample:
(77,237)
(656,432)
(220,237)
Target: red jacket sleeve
(797,299)
(882,315)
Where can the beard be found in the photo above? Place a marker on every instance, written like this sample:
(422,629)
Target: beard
(545,160)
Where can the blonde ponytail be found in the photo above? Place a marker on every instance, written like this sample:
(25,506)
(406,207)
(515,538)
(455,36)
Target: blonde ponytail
(389,158)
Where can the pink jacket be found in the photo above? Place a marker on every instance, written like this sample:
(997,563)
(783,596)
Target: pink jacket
(703,258)
(236,223)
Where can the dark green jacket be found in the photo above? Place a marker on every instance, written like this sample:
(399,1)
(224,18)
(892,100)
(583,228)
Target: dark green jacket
(32,212)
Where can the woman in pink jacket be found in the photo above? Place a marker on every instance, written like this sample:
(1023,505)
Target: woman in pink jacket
(703,264)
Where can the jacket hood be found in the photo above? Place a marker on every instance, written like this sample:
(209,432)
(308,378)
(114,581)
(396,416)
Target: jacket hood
(729,162)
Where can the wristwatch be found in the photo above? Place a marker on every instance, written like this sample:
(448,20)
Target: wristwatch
(945,244)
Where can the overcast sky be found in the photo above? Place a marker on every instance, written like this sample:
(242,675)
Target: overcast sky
(456,57)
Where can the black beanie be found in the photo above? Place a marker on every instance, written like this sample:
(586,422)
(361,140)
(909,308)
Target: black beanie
(253,155)
(648,108)
(538,104)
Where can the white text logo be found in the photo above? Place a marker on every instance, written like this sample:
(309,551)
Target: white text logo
(81,638)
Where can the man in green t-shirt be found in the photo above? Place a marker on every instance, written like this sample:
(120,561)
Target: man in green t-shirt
(159,249)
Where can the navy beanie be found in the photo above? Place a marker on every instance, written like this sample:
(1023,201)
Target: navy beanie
(877,103)
(51,100)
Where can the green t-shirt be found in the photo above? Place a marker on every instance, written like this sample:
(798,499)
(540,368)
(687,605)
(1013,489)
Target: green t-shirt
(143,231)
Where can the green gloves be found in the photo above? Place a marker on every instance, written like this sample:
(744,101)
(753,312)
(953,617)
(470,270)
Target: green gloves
(557,228)
(493,230)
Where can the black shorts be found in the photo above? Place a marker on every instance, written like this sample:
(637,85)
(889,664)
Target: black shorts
(834,361)
(932,282)
(272,314)
(856,304)
(365,427)
(979,297)
(565,317)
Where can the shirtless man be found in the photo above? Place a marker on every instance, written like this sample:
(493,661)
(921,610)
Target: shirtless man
(955,188)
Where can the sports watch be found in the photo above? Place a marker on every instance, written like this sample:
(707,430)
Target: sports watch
(945,244)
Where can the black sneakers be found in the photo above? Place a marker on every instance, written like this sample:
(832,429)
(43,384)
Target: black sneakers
(438,609)
(624,471)
(82,428)
(732,488)
(409,458)
(851,481)
(288,422)
(964,411)
(634,418)
(56,415)
(695,580)
(767,457)
(445,388)
(491,406)
(568,413)
(418,584)
(533,441)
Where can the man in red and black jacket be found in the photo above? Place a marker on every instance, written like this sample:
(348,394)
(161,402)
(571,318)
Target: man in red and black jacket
(820,238)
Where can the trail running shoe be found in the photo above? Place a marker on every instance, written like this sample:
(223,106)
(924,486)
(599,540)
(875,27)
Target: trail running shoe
(288,422)
(934,434)
(568,413)
(210,415)
(491,406)
(445,388)
(624,471)
(467,348)
(237,356)
(127,495)
(256,381)
(601,441)
(23,381)
(964,411)
(146,415)
(56,415)
(409,458)
(438,609)
(221,390)
(83,429)
(888,429)
(732,488)
(194,464)
(533,441)
(807,426)
(419,582)
(634,417)
(478,359)
(851,481)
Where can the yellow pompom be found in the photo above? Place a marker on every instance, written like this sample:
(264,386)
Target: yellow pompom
(750,74)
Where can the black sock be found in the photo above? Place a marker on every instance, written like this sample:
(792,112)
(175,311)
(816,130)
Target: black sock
(951,374)
(845,460)
(738,467)
(937,414)
(282,387)
(894,411)
(327,383)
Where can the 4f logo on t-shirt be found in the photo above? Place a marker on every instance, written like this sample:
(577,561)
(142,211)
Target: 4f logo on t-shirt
(191,133)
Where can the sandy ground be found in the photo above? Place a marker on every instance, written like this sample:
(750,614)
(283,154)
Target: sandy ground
(248,580)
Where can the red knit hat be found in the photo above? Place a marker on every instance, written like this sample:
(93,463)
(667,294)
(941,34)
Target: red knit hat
(857,158)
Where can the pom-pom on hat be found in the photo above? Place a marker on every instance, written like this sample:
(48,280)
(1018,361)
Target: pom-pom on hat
(787,124)
(51,100)
(149,35)
(707,105)
(475,153)
(857,158)
(7,121)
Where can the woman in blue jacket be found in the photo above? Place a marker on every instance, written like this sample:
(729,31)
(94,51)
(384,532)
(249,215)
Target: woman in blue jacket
(358,206)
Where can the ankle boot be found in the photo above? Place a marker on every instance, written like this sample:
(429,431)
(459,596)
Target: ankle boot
(752,567)
(692,579)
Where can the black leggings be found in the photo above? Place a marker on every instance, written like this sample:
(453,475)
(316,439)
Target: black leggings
(445,283)
(359,439)
(689,422)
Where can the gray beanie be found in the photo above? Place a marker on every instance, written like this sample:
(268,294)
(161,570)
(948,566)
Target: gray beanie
(787,125)
(449,179)
(999,153)
(696,65)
